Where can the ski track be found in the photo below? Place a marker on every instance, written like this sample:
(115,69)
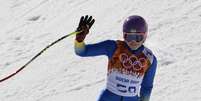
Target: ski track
(59,74)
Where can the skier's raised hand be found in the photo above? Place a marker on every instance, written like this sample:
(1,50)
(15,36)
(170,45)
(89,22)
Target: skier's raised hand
(84,26)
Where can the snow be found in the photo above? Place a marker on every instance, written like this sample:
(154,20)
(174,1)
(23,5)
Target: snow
(27,26)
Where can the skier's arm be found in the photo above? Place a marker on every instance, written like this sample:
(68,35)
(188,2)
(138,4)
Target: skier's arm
(102,48)
(147,83)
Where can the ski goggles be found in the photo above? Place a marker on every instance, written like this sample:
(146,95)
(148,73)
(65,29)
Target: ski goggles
(134,36)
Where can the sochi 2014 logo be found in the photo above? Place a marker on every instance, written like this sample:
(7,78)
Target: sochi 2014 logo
(132,63)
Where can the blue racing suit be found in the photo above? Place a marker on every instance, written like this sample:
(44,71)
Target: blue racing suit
(130,73)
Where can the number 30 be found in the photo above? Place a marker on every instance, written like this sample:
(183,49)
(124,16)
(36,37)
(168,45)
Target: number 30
(124,89)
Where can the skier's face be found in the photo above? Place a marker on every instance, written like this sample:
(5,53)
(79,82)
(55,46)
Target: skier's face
(134,40)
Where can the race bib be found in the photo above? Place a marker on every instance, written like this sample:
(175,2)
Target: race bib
(123,85)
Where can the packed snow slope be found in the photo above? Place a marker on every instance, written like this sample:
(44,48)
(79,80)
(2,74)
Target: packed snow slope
(27,26)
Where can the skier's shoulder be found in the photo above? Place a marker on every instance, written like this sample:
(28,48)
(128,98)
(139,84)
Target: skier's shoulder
(119,43)
(149,54)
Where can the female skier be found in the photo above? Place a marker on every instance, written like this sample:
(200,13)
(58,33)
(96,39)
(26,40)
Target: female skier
(131,65)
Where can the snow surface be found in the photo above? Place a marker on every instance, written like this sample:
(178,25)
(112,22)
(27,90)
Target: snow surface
(27,26)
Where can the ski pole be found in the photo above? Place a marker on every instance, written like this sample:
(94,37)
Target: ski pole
(25,65)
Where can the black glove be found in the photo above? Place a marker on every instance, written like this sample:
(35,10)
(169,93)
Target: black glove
(84,26)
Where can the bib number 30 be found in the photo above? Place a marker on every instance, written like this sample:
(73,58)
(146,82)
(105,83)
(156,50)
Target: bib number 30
(124,89)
